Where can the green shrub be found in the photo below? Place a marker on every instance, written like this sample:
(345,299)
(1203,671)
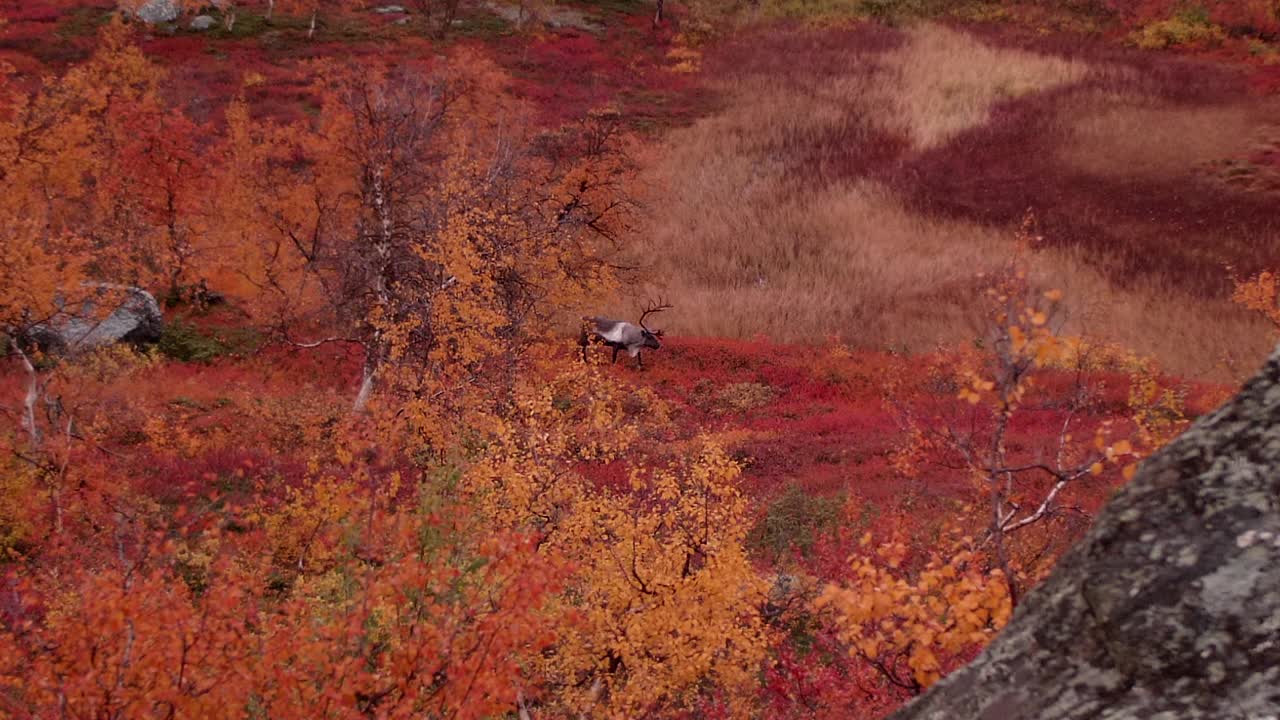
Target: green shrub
(813,9)
(183,341)
(744,396)
(1184,29)
(83,22)
(794,520)
(893,10)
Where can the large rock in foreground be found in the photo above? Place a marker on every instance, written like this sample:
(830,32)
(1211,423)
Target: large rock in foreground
(106,314)
(1169,608)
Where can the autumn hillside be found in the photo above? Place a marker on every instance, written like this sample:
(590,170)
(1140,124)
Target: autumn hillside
(295,421)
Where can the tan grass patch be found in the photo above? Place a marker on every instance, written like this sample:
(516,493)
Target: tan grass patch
(847,261)
(743,247)
(1191,336)
(1124,136)
(942,82)
(850,263)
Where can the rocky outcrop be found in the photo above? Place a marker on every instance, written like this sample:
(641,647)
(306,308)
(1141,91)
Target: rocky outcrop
(106,313)
(1169,608)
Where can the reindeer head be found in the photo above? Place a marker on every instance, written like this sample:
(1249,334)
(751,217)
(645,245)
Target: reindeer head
(651,336)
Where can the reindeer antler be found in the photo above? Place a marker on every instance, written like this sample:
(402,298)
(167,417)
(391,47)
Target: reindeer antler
(651,308)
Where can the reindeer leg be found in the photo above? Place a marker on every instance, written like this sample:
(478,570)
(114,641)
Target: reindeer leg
(639,362)
(615,356)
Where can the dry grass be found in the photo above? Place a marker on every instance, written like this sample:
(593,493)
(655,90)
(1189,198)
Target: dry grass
(942,82)
(1118,135)
(1192,336)
(846,261)
(791,213)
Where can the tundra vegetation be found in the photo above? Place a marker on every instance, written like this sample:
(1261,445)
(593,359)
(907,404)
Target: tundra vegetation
(941,275)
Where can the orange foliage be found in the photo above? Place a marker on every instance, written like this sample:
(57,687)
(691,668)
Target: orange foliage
(666,597)
(1258,293)
(499,531)
(418,618)
(914,624)
(1026,492)
(409,223)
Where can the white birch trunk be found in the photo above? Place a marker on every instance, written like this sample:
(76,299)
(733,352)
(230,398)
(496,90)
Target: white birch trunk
(30,399)
(366,386)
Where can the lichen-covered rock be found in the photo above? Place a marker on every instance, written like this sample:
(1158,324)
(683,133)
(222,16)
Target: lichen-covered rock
(203,22)
(159,11)
(104,313)
(1169,608)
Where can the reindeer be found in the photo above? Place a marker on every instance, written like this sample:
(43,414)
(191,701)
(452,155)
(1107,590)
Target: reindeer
(622,335)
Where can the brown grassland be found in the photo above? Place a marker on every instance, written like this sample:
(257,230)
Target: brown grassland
(854,183)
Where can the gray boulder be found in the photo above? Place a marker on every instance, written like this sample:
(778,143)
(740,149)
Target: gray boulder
(159,11)
(1169,608)
(103,314)
(389,9)
(203,22)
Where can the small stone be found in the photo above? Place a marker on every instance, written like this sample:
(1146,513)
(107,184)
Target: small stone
(389,9)
(158,11)
(203,22)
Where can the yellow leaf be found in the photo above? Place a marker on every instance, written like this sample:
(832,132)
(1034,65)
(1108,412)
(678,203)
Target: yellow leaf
(1123,447)
(1095,469)
(1017,338)
(1053,295)
(1129,471)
